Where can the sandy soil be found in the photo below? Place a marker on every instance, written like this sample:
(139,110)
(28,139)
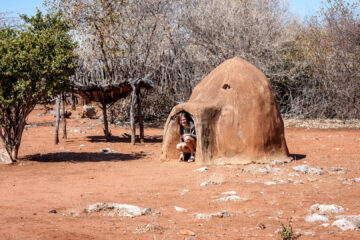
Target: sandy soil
(43,195)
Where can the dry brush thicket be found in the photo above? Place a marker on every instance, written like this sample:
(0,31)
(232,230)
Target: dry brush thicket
(312,65)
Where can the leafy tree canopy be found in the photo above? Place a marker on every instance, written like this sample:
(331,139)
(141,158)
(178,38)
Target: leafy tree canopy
(35,64)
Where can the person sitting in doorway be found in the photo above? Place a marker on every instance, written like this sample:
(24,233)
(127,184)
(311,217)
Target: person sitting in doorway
(187,143)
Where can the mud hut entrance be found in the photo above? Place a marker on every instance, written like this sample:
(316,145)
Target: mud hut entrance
(187,140)
(202,117)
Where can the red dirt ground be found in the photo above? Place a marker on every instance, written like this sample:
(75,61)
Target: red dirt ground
(74,174)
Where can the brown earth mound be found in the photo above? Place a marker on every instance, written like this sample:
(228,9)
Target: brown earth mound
(235,115)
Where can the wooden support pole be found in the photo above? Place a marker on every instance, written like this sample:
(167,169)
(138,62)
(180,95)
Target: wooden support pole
(140,116)
(57,110)
(63,116)
(132,114)
(106,124)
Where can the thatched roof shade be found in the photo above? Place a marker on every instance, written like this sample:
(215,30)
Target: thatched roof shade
(98,86)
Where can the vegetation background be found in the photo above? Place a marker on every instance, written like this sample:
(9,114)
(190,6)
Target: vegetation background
(312,65)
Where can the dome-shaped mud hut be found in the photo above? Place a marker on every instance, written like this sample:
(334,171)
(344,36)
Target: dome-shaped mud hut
(236,118)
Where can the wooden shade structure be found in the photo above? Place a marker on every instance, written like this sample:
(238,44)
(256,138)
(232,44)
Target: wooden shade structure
(106,88)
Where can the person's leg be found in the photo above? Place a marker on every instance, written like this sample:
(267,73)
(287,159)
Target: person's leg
(183,147)
(191,144)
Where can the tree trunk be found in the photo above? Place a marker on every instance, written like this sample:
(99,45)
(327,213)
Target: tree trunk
(140,116)
(63,117)
(132,115)
(57,105)
(106,124)
(14,152)
(73,102)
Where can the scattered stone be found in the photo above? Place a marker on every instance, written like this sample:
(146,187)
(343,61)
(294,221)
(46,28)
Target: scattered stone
(350,222)
(266,169)
(233,198)
(277,162)
(187,232)
(115,209)
(250,181)
(324,209)
(308,234)
(203,184)
(211,215)
(180,209)
(31,125)
(289,180)
(52,211)
(148,227)
(346,223)
(89,112)
(203,169)
(269,183)
(105,150)
(76,131)
(184,191)
(292,174)
(229,193)
(306,169)
(337,170)
(316,217)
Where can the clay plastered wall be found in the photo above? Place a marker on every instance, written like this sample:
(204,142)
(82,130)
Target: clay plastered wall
(236,117)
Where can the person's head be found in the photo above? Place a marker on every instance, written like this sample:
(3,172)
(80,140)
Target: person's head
(184,119)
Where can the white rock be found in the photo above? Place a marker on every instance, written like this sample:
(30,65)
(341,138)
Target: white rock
(76,131)
(325,224)
(211,215)
(275,162)
(292,174)
(344,224)
(184,191)
(324,209)
(308,234)
(203,184)
(347,222)
(180,209)
(266,169)
(316,217)
(269,183)
(233,198)
(229,193)
(290,180)
(203,169)
(124,210)
(306,169)
(357,179)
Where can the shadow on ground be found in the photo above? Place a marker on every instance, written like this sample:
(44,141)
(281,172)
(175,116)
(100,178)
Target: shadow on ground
(125,139)
(297,157)
(83,157)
